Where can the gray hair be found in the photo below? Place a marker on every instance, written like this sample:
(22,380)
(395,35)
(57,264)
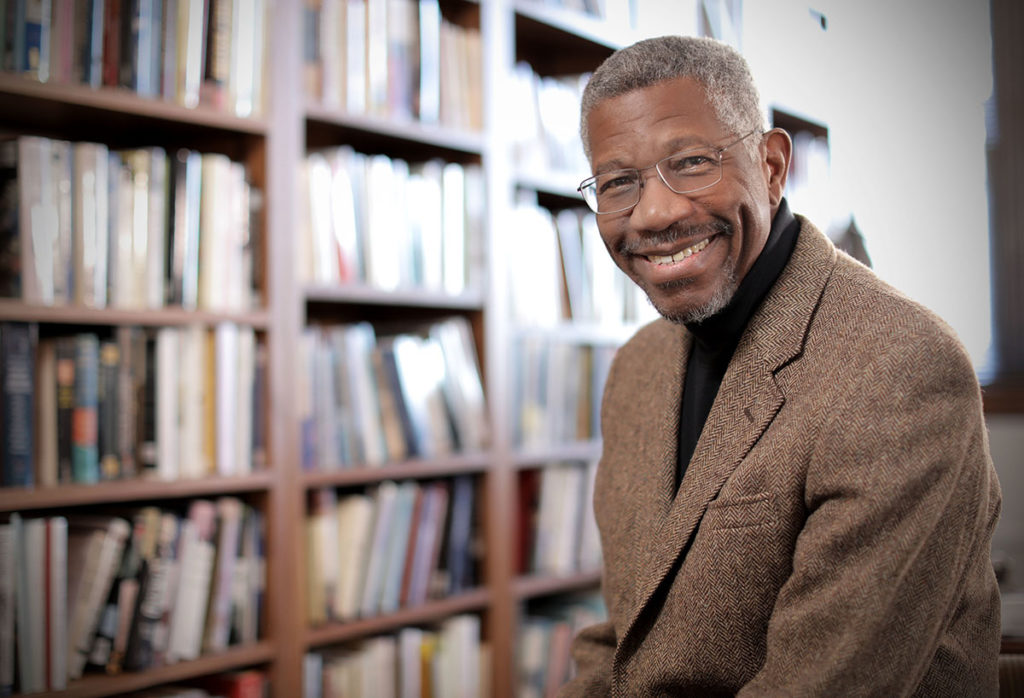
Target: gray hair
(719,68)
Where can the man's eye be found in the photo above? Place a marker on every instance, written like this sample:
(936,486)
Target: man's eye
(694,162)
(616,182)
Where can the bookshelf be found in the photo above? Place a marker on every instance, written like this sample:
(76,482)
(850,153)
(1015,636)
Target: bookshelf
(297,120)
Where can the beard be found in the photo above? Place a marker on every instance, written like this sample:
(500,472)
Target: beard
(724,290)
(720,297)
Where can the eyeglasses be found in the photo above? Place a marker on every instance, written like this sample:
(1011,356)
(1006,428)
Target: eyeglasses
(684,173)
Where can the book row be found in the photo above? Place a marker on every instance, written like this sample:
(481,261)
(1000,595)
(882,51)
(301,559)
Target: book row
(191,52)
(394,545)
(556,386)
(142,228)
(545,126)
(112,593)
(164,403)
(557,531)
(560,255)
(398,59)
(543,660)
(366,400)
(446,661)
(390,224)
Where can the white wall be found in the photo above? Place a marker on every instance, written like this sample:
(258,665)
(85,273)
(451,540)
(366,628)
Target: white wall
(901,87)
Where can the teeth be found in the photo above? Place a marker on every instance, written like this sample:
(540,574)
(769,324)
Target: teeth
(681,255)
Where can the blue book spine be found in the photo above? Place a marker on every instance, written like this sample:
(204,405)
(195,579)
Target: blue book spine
(85,463)
(16,383)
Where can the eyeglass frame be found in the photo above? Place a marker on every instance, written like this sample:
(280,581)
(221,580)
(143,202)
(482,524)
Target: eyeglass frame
(640,180)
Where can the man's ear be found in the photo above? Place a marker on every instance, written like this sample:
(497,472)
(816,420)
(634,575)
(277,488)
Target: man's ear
(778,151)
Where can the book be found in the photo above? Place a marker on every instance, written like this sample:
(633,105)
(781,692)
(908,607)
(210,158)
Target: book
(55,582)
(244,683)
(426,545)
(59,171)
(428,107)
(384,516)
(37,220)
(30,602)
(8,564)
(397,545)
(462,387)
(91,213)
(184,197)
(460,555)
(230,514)
(10,230)
(196,561)
(108,409)
(250,580)
(355,43)
(17,359)
(322,553)
(148,634)
(95,547)
(355,514)
(85,466)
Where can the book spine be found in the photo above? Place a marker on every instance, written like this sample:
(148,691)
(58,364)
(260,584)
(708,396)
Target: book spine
(18,406)
(85,466)
(7,606)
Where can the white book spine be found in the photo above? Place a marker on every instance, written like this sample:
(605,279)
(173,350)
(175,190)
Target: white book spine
(7,607)
(57,613)
(168,430)
(226,370)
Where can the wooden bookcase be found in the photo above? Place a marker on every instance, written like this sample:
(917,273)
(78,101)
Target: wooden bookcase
(273,146)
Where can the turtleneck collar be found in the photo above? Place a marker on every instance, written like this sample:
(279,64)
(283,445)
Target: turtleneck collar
(722,330)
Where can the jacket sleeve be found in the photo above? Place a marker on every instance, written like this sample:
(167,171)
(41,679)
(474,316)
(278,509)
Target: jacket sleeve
(892,573)
(592,650)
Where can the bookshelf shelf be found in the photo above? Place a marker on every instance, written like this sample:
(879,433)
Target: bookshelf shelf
(556,184)
(533,586)
(411,298)
(97,686)
(410,470)
(31,103)
(558,40)
(17,311)
(128,491)
(328,126)
(432,612)
(532,457)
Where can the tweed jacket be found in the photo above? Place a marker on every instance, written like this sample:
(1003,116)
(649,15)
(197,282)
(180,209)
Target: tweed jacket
(831,535)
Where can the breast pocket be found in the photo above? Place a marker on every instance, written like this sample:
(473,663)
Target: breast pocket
(747,511)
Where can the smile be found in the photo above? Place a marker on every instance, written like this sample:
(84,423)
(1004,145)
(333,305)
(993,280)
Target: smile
(680,255)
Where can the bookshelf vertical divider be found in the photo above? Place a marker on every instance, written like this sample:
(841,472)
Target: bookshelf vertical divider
(285,149)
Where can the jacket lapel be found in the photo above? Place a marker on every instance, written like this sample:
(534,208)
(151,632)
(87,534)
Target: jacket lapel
(747,402)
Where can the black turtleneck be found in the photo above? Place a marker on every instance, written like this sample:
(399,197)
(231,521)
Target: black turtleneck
(715,338)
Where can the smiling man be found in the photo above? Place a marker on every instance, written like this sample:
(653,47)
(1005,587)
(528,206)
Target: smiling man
(795,495)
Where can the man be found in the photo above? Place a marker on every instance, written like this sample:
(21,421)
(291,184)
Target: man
(796,496)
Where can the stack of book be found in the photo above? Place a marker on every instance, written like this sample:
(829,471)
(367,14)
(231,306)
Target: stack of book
(394,545)
(557,383)
(390,224)
(546,631)
(126,593)
(141,228)
(192,52)
(397,59)
(449,660)
(366,401)
(166,403)
(557,531)
(561,256)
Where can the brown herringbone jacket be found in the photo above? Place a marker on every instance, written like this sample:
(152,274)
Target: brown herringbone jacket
(831,536)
